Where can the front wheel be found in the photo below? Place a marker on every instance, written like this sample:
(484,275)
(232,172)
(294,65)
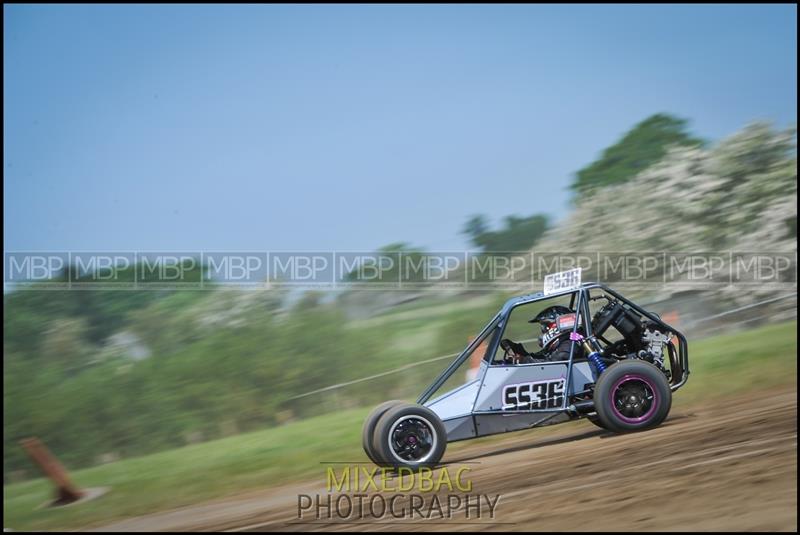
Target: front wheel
(409,436)
(632,395)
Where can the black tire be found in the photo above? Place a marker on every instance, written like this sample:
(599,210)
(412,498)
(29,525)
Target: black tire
(369,427)
(632,395)
(595,420)
(418,437)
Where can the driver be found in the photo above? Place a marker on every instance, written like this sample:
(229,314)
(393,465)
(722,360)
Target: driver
(556,324)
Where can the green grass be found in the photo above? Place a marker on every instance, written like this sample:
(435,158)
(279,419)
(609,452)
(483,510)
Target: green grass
(202,471)
(733,363)
(720,366)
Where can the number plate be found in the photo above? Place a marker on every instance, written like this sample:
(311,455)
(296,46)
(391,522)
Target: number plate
(563,281)
(538,395)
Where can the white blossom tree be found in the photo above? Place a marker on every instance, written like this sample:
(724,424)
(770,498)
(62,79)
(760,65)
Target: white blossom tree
(740,196)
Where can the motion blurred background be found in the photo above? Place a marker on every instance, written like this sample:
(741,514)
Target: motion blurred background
(409,129)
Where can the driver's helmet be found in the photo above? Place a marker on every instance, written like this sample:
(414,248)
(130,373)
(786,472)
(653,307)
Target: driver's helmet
(554,321)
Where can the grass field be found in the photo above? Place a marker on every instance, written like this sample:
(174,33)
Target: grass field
(720,366)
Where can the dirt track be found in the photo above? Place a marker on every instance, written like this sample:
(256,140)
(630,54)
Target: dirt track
(728,466)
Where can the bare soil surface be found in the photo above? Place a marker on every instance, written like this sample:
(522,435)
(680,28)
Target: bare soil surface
(730,466)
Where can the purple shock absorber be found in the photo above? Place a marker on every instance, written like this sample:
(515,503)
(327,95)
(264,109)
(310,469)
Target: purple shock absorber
(594,358)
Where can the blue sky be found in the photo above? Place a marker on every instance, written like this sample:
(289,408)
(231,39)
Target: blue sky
(350,127)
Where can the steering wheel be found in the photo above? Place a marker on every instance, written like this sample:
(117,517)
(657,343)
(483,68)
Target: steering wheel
(509,355)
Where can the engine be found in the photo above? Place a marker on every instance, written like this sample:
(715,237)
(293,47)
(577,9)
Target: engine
(641,338)
(654,342)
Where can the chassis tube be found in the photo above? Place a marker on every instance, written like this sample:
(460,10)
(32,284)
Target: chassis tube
(682,346)
(445,375)
(579,313)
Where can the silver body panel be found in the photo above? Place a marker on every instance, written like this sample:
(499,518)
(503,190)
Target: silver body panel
(476,408)
(496,378)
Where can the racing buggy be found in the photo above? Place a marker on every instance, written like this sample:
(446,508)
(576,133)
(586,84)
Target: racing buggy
(601,358)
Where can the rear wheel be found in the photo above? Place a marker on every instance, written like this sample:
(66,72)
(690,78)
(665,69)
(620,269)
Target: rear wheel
(409,436)
(369,427)
(632,395)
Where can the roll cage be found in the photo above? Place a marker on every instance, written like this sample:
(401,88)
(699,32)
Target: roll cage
(580,297)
